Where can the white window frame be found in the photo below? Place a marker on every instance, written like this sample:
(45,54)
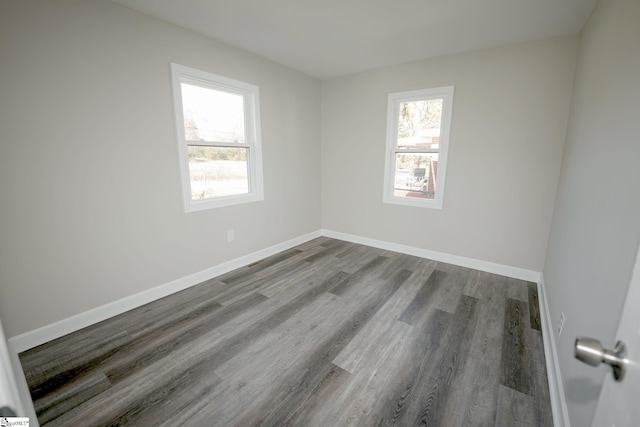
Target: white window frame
(250,93)
(393,112)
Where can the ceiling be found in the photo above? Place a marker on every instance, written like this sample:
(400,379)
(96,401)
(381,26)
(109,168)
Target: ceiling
(330,38)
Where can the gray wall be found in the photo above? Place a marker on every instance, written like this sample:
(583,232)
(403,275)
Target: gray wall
(510,113)
(89,182)
(596,225)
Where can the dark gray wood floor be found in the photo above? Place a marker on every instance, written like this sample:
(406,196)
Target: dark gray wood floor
(328,333)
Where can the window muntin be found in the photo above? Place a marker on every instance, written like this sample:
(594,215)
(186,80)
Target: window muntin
(218,129)
(418,124)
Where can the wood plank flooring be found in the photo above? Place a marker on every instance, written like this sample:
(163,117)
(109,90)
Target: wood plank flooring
(328,333)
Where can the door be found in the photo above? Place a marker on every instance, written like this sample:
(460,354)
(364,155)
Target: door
(9,400)
(618,404)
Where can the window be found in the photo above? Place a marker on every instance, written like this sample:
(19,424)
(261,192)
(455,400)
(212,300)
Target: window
(218,130)
(418,125)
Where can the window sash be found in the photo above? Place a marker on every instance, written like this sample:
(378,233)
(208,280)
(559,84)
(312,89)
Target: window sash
(417,150)
(393,123)
(252,143)
(215,144)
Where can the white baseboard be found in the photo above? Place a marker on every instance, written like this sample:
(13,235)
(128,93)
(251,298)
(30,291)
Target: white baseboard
(556,388)
(20,343)
(476,264)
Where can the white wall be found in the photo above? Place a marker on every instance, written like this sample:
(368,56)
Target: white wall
(596,225)
(510,114)
(89,182)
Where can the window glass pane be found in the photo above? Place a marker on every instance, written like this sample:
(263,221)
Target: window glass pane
(212,115)
(217,171)
(419,124)
(415,175)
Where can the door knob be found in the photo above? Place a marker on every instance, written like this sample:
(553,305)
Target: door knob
(591,352)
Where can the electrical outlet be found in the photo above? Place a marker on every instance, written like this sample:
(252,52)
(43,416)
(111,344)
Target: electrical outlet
(560,323)
(231,236)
